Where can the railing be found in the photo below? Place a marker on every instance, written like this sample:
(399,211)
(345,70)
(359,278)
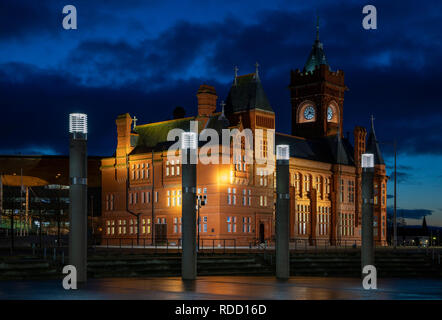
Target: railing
(165,244)
(305,244)
(211,245)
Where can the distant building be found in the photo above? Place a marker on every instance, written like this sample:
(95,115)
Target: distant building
(414,235)
(34,186)
(141,184)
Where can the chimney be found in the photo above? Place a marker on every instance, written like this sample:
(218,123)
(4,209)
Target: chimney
(360,134)
(124,123)
(206,100)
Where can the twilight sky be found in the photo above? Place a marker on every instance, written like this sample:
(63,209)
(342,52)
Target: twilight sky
(146,57)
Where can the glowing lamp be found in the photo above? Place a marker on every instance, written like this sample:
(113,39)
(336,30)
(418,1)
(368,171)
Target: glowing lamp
(188,140)
(367,160)
(282,152)
(78,123)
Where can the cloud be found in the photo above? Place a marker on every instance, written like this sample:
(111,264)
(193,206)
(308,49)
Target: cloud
(410,213)
(395,78)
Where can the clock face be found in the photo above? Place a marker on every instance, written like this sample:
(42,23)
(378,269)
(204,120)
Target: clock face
(309,113)
(329,113)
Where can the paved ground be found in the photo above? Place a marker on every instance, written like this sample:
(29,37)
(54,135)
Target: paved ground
(225,288)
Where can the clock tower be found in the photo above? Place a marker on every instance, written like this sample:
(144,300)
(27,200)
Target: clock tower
(317,96)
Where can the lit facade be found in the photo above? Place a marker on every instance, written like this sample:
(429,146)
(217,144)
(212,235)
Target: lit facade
(141,186)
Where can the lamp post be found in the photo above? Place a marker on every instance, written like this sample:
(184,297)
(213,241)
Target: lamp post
(78,194)
(282,223)
(188,212)
(367,248)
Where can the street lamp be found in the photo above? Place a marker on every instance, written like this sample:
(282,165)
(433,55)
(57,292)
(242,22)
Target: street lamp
(282,217)
(78,194)
(367,247)
(188,210)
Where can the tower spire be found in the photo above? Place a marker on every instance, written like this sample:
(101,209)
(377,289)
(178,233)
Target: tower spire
(373,144)
(372,122)
(317,27)
(236,73)
(257,70)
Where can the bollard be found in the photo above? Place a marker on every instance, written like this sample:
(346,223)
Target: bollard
(44,252)
(282,217)
(188,208)
(78,193)
(54,257)
(367,247)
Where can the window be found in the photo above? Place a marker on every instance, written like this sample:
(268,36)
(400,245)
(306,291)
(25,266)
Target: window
(351,191)
(250,197)
(318,184)
(302,216)
(156,196)
(176,225)
(297,180)
(229,196)
(173,168)
(231,224)
(147,171)
(244,197)
(168,198)
(246,226)
(306,183)
(110,202)
(327,185)
(342,190)
(264,148)
(204,223)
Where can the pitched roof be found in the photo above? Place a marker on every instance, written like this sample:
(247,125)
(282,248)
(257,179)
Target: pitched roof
(373,146)
(247,93)
(322,150)
(218,121)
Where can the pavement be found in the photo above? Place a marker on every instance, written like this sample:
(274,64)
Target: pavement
(224,288)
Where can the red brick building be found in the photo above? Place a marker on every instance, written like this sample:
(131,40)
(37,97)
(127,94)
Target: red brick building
(141,186)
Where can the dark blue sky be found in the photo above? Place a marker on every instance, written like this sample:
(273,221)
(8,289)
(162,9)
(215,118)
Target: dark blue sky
(146,57)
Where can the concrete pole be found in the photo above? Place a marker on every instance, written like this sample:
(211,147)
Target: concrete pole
(1,197)
(27,211)
(282,223)
(78,198)
(189,257)
(367,248)
(395,198)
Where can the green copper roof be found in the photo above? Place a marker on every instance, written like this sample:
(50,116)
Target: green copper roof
(317,55)
(154,135)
